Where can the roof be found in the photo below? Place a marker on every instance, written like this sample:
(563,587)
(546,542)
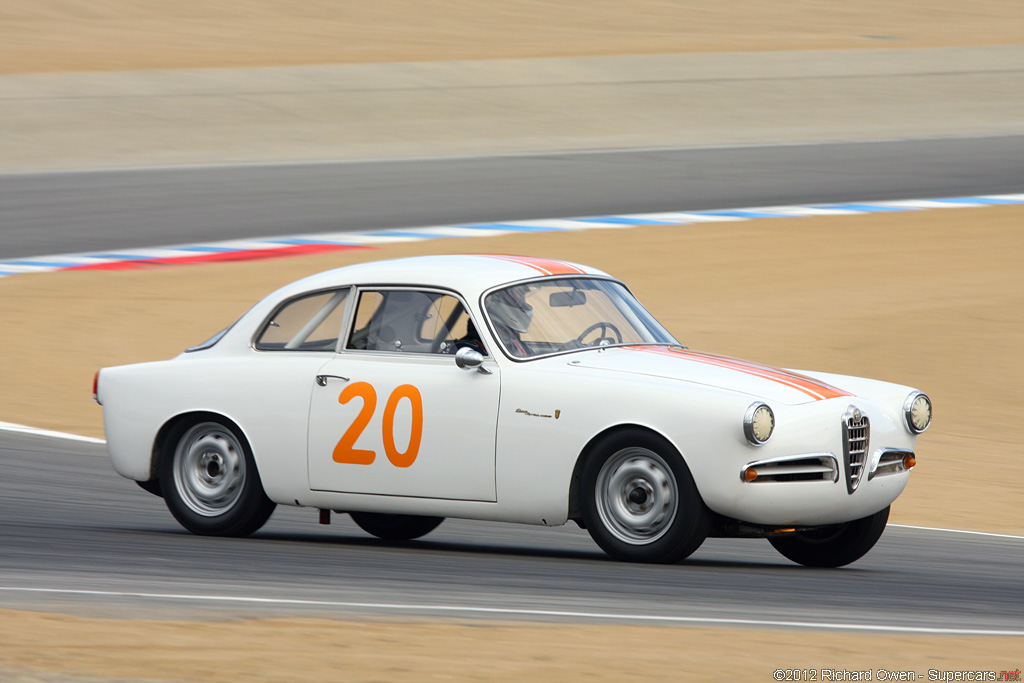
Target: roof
(466,273)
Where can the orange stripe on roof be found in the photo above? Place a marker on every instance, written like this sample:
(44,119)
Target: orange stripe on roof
(811,387)
(542,265)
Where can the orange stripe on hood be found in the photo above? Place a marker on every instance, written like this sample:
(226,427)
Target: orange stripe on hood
(542,265)
(811,387)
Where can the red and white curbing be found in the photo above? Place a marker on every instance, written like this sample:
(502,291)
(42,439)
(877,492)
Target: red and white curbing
(298,245)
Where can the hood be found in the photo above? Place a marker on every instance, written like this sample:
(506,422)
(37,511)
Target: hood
(674,362)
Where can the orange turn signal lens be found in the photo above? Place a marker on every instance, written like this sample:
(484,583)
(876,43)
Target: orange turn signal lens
(909,461)
(750,475)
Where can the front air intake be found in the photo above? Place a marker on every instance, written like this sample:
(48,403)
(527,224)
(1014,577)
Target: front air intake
(808,467)
(856,434)
(891,461)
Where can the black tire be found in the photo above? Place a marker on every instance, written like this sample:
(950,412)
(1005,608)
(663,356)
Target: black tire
(151,486)
(639,501)
(209,480)
(395,527)
(835,545)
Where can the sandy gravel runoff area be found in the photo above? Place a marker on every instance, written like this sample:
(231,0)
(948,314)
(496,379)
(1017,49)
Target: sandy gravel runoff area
(931,299)
(416,651)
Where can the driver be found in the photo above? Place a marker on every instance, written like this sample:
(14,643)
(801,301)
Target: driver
(511,316)
(470,340)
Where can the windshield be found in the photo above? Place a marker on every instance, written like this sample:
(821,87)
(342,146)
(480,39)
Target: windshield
(554,316)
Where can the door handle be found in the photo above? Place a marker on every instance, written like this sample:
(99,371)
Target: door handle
(322,379)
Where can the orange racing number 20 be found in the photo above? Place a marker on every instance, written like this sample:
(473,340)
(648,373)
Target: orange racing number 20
(346,452)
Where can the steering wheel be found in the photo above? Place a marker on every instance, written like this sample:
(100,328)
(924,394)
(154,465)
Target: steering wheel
(603,339)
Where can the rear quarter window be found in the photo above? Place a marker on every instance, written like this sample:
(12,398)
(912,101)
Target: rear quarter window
(307,323)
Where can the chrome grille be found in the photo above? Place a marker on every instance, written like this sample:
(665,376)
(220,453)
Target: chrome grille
(856,434)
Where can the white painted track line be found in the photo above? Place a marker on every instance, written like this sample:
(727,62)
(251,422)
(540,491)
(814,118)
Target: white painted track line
(35,431)
(536,613)
(957,531)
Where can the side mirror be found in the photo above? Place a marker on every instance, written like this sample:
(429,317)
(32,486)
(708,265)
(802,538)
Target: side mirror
(469,359)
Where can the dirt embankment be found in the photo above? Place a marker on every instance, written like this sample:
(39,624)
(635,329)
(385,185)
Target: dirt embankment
(73,35)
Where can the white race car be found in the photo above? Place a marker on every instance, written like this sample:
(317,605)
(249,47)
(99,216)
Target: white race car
(507,388)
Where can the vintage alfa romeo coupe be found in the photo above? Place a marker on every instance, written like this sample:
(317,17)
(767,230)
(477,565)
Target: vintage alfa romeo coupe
(507,388)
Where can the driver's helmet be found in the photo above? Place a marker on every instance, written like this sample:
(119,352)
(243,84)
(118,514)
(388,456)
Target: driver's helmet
(508,307)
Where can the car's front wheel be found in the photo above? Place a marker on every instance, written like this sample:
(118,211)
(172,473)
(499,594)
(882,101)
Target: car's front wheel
(210,482)
(834,545)
(639,501)
(395,527)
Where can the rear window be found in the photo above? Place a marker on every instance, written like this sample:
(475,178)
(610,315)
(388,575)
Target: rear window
(209,342)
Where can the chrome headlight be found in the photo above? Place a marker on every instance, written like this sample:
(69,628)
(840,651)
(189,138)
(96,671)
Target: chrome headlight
(758,423)
(917,412)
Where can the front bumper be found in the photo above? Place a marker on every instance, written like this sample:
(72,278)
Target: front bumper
(776,499)
(832,462)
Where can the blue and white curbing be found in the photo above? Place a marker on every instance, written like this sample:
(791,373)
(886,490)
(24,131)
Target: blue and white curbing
(322,242)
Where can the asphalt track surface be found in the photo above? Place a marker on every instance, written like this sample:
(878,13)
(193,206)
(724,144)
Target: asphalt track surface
(70,212)
(75,537)
(104,547)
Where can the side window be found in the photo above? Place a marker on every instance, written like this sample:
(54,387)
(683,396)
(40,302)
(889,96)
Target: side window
(410,321)
(307,323)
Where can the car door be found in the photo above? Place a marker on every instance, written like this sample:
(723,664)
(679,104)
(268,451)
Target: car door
(393,414)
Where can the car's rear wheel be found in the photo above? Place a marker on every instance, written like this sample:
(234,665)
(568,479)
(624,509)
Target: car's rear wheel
(639,501)
(210,482)
(834,545)
(395,527)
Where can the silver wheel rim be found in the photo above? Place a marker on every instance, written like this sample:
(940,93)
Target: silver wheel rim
(209,469)
(637,496)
